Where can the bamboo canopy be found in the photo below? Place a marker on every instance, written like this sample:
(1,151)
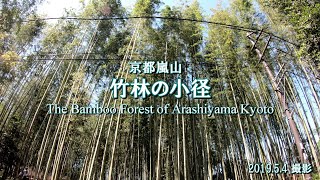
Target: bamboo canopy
(78,58)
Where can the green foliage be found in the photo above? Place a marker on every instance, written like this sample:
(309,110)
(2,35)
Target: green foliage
(304,17)
(28,31)
(169,26)
(16,36)
(191,33)
(13,12)
(145,7)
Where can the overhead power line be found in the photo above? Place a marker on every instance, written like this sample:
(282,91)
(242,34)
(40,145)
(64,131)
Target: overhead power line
(236,27)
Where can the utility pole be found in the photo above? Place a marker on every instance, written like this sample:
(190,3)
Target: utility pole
(293,127)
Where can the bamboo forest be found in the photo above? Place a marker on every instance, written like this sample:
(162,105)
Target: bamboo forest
(160,89)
